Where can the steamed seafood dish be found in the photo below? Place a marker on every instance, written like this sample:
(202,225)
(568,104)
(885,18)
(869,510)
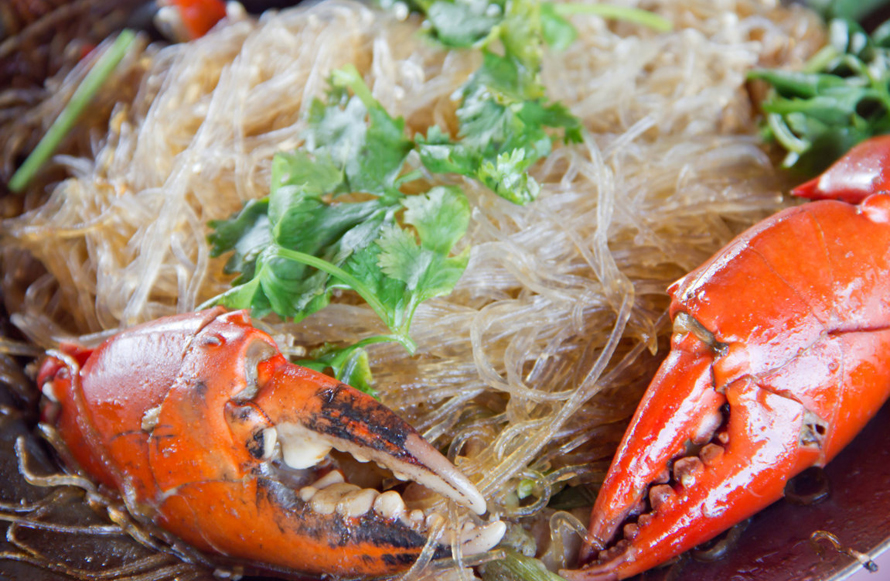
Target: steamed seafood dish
(370,291)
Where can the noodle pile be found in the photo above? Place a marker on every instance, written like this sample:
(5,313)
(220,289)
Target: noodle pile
(527,373)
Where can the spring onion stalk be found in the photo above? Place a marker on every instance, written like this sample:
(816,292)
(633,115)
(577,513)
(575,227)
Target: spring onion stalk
(95,78)
(644,17)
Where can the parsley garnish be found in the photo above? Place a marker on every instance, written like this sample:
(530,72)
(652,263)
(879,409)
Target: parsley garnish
(503,130)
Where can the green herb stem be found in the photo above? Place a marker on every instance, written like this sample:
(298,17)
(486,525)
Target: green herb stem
(349,77)
(635,15)
(82,96)
(336,272)
(341,357)
(784,135)
(353,282)
(819,61)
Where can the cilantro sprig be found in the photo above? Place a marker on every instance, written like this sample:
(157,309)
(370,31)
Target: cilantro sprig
(503,131)
(336,218)
(506,123)
(293,249)
(839,99)
(472,23)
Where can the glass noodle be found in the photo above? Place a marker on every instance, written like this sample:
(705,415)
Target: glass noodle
(528,372)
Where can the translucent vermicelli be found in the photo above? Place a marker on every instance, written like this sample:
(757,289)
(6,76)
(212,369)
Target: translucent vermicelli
(528,371)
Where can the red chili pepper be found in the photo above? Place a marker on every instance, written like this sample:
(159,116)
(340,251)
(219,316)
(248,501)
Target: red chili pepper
(199,16)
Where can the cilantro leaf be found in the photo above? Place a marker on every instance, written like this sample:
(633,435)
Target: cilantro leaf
(348,364)
(507,177)
(441,217)
(505,122)
(474,23)
(294,216)
(401,271)
(503,131)
(557,32)
(246,234)
(294,248)
(370,153)
(463,23)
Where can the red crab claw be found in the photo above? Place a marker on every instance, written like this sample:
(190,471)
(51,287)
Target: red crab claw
(208,431)
(861,172)
(712,486)
(778,359)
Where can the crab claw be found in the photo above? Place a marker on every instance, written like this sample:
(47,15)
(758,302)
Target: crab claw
(701,454)
(208,431)
(724,469)
(665,423)
(861,172)
(778,359)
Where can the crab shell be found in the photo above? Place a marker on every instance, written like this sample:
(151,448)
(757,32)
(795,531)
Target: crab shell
(779,358)
(207,431)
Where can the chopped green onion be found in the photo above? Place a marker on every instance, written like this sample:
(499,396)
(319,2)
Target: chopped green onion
(69,115)
(785,136)
(644,17)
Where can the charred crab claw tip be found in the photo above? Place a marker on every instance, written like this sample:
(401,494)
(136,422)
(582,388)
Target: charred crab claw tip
(311,414)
